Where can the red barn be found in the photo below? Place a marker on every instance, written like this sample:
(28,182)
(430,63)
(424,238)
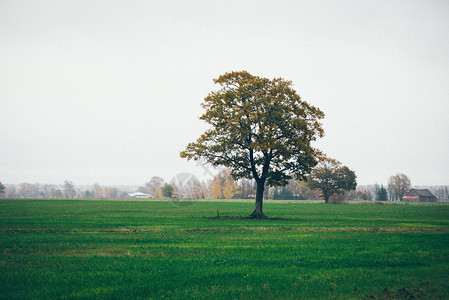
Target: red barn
(419,195)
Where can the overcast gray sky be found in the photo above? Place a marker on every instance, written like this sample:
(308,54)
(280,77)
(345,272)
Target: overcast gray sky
(110,91)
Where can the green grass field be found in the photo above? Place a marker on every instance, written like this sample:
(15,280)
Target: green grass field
(159,250)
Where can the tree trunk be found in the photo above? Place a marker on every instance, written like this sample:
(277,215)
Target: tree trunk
(258,212)
(326,197)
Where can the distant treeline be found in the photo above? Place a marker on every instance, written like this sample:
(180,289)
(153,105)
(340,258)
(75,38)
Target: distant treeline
(222,186)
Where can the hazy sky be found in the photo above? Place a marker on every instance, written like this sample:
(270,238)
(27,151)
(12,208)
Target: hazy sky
(110,91)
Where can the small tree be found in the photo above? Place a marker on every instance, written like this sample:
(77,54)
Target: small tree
(398,185)
(97,191)
(158,193)
(69,189)
(154,183)
(223,186)
(151,186)
(46,190)
(2,189)
(283,193)
(381,194)
(28,190)
(330,177)
(109,192)
(216,189)
(11,191)
(260,129)
(167,190)
(230,188)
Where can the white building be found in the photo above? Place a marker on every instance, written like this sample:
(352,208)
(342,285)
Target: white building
(139,195)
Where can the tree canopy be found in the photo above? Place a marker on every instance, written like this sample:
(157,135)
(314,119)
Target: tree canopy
(381,194)
(398,185)
(261,129)
(331,177)
(69,189)
(167,190)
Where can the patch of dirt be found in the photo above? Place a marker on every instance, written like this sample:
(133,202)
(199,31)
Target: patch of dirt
(402,293)
(249,218)
(313,229)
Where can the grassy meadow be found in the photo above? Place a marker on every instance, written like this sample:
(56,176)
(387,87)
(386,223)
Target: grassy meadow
(66,249)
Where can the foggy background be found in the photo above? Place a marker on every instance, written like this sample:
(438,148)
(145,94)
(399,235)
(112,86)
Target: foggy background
(110,91)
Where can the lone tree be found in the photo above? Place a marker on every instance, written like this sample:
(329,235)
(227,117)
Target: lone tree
(260,129)
(331,177)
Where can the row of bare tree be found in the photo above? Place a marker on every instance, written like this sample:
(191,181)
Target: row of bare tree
(222,186)
(66,191)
